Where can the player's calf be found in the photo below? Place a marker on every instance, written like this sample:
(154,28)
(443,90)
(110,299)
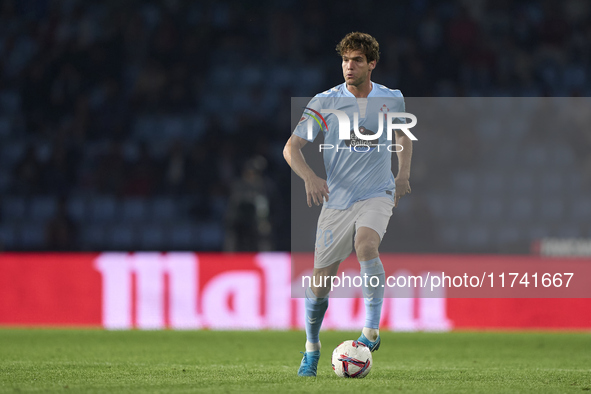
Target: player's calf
(373,291)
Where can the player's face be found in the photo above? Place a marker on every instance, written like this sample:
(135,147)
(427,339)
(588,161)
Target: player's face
(356,69)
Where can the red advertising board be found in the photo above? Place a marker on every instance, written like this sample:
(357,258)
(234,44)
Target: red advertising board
(235,291)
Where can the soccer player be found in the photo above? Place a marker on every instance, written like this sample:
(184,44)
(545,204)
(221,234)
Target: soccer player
(360,184)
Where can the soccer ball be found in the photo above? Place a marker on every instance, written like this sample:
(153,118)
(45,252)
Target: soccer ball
(351,359)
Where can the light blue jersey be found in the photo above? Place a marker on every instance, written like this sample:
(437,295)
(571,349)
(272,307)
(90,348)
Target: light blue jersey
(354,172)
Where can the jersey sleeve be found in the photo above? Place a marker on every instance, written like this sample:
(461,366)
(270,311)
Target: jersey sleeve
(401,108)
(310,122)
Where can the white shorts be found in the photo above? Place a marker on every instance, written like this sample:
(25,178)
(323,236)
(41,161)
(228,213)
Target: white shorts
(337,227)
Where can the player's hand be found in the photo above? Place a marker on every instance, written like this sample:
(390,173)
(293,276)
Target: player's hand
(402,188)
(316,190)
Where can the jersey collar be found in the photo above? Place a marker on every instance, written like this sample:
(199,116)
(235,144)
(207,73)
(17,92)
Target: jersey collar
(349,94)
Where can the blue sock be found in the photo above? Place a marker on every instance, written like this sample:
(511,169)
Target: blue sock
(374,295)
(315,309)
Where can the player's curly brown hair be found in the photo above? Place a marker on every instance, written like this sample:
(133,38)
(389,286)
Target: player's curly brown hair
(363,42)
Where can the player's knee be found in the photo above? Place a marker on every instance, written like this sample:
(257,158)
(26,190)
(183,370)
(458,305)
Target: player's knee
(366,249)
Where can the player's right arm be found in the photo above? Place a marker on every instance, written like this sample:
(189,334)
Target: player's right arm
(316,187)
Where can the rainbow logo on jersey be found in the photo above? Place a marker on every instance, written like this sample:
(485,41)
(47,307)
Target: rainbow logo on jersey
(312,115)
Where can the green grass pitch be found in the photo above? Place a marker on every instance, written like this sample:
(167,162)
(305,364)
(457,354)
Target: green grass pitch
(266,361)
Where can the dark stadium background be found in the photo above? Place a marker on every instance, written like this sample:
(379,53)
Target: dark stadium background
(150,125)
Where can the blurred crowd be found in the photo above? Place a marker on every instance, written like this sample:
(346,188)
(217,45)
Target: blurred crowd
(192,98)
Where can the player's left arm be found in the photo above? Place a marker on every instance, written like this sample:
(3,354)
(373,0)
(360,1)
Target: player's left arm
(404,158)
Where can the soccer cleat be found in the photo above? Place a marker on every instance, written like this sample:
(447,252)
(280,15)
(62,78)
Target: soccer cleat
(373,346)
(309,363)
